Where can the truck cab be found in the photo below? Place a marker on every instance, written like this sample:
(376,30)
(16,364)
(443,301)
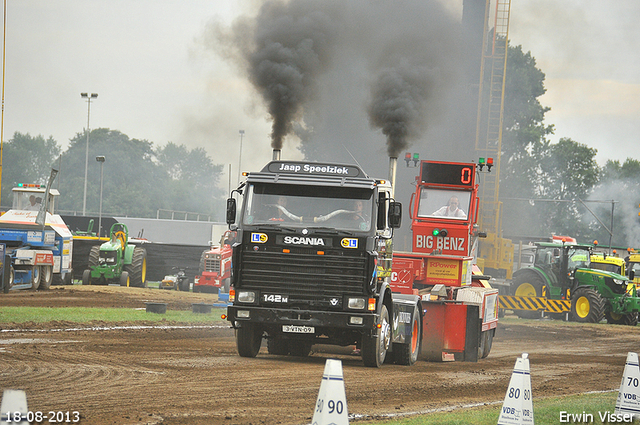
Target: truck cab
(312,259)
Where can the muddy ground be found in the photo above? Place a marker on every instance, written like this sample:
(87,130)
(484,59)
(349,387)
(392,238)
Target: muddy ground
(170,375)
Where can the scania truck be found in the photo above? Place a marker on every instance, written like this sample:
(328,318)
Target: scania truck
(312,263)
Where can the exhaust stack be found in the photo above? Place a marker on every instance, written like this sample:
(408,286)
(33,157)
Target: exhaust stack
(276,154)
(393,165)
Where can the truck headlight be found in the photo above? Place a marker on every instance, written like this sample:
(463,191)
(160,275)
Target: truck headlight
(246,296)
(357,303)
(619,282)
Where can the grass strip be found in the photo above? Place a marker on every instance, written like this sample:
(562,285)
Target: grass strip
(86,314)
(588,408)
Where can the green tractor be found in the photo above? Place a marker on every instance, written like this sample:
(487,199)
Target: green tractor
(564,272)
(117,261)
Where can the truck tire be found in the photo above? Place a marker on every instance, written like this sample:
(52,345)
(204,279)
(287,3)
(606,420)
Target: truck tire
(374,348)
(248,340)
(485,343)
(630,319)
(527,285)
(46,277)
(138,268)
(407,354)
(11,280)
(278,346)
(124,279)
(35,277)
(587,306)
(86,277)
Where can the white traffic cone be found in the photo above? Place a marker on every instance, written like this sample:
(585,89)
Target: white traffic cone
(331,406)
(13,409)
(517,408)
(628,401)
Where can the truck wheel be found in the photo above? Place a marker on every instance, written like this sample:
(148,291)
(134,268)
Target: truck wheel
(35,277)
(138,268)
(86,277)
(46,277)
(486,341)
(12,279)
(527,285)
(407,354)
(587,306)
(630,319)
(278,346)
(124,279)
(374,348)
(248,340)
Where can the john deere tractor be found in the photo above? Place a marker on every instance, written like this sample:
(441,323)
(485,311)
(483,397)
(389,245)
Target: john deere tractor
(117,261)
(564,272)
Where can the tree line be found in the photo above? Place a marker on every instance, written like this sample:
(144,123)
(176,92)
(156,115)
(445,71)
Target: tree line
(138,178)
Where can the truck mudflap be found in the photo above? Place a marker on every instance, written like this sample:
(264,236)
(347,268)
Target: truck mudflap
(301,321)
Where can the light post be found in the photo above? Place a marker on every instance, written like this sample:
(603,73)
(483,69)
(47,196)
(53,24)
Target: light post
(86,162)
(101,160)
(240,157)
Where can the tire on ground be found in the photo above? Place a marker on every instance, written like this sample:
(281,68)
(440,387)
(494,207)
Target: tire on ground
(124,279)
(46,277)
(407,354)
(86,277)
(629,319)
(374,347)
(248,340)
(138,268)
(587,306)
(36,277)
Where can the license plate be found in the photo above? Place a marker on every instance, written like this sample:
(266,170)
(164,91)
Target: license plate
(298,329)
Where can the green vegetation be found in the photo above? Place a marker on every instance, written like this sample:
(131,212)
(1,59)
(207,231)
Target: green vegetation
(546,411)
(110,315)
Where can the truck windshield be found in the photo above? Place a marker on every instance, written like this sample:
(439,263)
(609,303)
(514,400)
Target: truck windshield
(301,206)
(443,203)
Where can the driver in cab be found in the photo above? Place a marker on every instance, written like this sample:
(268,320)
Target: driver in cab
(451,209)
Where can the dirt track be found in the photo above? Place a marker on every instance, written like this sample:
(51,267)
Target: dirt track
(192,375)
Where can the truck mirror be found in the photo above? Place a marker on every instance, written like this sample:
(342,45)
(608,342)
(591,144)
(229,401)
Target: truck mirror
(231,210)
(395,214)
(632,275)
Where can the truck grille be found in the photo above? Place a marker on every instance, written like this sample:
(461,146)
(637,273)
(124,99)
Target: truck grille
(212,265)
(304,275)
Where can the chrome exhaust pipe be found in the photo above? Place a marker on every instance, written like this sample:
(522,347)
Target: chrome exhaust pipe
(276,154)
(393,165)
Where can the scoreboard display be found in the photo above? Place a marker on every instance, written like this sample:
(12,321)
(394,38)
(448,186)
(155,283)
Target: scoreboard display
(448,173)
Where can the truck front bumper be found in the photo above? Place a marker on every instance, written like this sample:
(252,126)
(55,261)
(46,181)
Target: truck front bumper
(274,319)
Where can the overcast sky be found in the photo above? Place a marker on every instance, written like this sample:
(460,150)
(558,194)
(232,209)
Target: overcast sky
(156,81)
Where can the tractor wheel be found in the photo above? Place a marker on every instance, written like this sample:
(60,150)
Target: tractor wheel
(94,256)
(374,348)
(407,354)
(527,285)
(630,319)
(124,279)
(35,278)
(86,277)
(248,340)
(138,268)
(587,306)
(278,346)
(46,273)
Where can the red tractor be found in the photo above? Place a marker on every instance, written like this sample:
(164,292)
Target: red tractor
(215,266)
